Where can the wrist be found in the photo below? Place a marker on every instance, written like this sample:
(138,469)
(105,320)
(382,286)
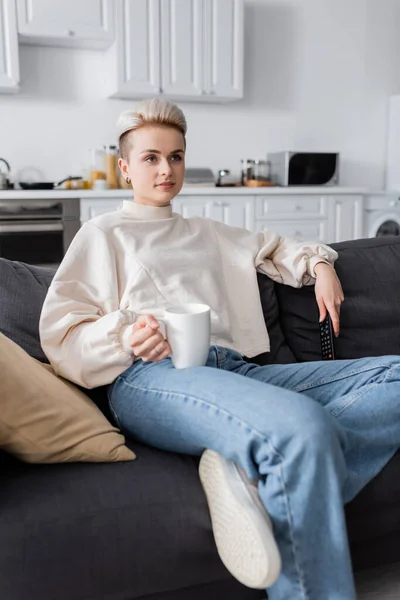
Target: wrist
(321,266)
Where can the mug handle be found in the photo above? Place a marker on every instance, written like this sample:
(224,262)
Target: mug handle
(163,327)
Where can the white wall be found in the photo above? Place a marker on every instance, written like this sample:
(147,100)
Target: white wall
(318,74)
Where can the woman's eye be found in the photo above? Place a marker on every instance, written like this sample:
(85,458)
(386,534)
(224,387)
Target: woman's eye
(150,159)
(176,157)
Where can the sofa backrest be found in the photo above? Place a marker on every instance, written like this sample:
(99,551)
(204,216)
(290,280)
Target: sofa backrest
(370,316)
(369,271)
(22,292)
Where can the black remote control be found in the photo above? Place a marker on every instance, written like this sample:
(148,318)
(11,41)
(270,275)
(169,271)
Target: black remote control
(326,332)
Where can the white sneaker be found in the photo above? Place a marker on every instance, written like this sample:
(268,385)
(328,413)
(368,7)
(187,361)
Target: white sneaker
(241,525)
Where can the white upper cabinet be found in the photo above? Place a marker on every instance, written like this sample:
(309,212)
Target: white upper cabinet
(224,33)
(72,23)
(9,59)
(181,49)
(134,60)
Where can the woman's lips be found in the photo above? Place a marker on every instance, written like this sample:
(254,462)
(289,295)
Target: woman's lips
(166,186)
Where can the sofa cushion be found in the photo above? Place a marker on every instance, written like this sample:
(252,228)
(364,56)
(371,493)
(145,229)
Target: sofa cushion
(22,292)
(117,531)
(280,351)
(44,418)
(370,315)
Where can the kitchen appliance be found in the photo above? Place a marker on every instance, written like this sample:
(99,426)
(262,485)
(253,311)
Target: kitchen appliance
(45,185)
(225,179)
(381,215)
(304,168)
(5,183)
(38,232)
(199,176)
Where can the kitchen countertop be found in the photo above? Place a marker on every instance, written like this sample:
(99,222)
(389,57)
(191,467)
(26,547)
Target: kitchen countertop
(186,191)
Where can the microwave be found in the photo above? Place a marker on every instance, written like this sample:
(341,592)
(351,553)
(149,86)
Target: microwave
(304,168)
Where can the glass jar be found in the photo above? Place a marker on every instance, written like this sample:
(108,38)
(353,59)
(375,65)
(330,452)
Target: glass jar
(97,165)
(260,170)
(111,166)
(246,170)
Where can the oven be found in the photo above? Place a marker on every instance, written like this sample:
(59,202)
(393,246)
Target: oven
(38,232)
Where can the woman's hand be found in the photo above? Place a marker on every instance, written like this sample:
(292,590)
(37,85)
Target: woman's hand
(146,340)
(329,294)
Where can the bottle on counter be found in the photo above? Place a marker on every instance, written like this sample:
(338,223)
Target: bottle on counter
(97,165)
(111,166)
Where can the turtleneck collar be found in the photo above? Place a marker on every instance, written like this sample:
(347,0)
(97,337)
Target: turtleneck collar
(145,212)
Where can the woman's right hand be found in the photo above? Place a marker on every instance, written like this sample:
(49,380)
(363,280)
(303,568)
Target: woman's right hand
(146,341)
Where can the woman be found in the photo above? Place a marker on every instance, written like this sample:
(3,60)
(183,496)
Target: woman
(311,435)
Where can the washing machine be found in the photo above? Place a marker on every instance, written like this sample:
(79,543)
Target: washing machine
(382,214)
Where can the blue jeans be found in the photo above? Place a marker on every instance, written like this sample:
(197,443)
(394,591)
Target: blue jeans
(313,433)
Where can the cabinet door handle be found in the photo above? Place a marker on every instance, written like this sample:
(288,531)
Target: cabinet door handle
(298,207)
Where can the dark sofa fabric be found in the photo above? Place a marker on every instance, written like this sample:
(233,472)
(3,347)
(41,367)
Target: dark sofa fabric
(112,532)
(141,530)
(370,315)
(23,289)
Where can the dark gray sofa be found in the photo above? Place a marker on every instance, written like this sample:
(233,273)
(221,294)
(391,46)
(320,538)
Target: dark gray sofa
(141,530)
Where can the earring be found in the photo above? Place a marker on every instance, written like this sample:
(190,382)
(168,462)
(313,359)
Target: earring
(128,180)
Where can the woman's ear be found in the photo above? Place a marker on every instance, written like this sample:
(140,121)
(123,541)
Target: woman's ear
(123,165)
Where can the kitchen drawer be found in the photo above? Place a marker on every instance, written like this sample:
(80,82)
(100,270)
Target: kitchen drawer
(309,231)
(383,201)
(93,207)
(296,206)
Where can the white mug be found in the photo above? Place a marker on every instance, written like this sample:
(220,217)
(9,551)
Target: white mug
(188,332)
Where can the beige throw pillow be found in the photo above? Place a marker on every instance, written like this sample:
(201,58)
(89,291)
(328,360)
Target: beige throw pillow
(46,419)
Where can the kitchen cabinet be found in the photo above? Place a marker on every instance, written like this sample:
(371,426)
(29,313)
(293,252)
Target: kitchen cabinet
(134,59)
(93,207)
(76,23)
(328,218)
(224,27)
(311,217)
(345,218)
(235,210)
(180,49)
(307,230)
(9,57)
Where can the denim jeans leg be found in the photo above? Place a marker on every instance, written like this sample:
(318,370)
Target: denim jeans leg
(362,395)
(287,440)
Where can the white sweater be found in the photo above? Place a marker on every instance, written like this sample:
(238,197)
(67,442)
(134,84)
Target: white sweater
(142,259)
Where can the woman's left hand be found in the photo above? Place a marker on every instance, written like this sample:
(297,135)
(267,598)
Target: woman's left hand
(329,294)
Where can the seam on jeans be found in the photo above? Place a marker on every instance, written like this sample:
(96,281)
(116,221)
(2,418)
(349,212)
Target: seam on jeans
(272,449)
(353,397)
(320,382)
(222,356)
(300,572)
(114,413)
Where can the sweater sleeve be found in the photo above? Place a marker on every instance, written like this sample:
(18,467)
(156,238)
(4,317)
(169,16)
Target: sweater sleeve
(83,331)
(283,259)
(288,261)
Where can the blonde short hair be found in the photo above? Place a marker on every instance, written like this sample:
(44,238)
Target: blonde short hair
(154,111)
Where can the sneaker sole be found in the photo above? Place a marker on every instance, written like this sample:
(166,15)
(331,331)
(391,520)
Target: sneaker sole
(242,530)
